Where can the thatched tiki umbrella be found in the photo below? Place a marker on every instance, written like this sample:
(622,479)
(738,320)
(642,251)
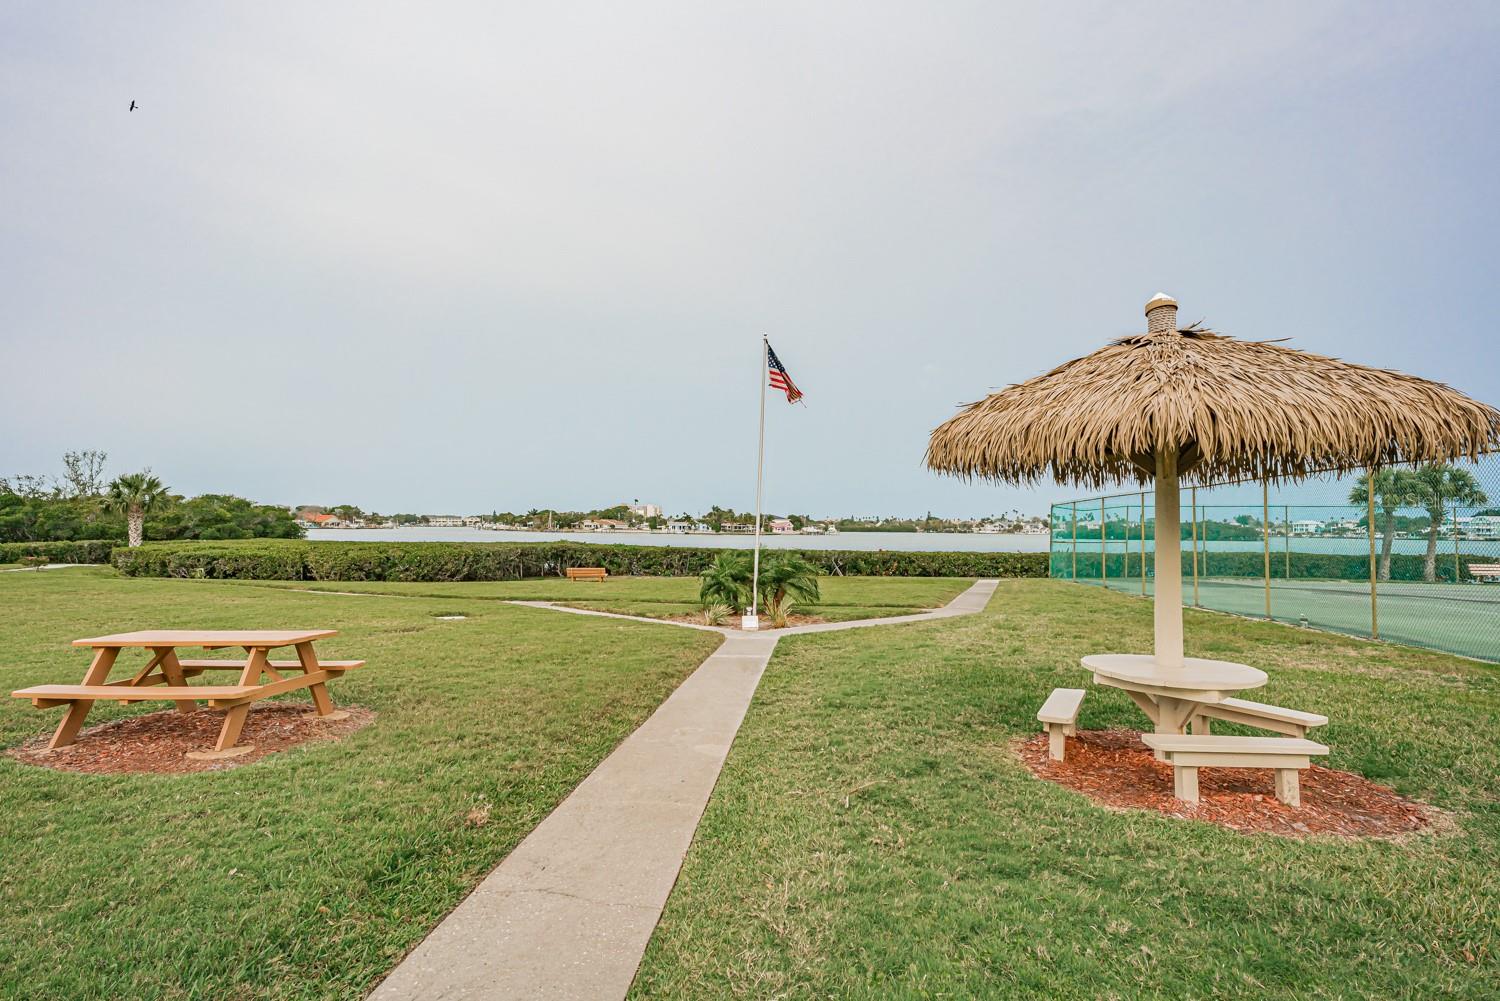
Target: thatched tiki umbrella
(1171,404)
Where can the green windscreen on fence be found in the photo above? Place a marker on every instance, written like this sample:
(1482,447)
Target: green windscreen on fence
(1424,571)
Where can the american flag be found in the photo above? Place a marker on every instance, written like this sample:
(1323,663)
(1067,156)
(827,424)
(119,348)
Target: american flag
(779,379)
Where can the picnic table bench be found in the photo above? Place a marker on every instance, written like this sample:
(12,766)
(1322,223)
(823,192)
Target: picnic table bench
(164,678)
(1484,571)
(1186,754)
(586,573)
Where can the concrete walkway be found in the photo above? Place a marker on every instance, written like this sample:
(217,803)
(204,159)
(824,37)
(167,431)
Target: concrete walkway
(569,912)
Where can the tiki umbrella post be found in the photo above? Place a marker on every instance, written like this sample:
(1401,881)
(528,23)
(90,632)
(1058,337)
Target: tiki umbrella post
(1168,562)
(1187,403)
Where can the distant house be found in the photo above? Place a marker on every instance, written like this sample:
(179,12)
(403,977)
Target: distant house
(781,526)
(1307,526)
(679,527)
(445,521)
(318,519)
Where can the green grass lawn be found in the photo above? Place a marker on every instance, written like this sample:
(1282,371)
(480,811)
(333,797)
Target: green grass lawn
(872,835)
(309,873)
(843,598)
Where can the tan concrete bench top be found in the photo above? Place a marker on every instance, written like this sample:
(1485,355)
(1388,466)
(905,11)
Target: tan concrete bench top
(1061,706)
(1273,712)
(1178,743)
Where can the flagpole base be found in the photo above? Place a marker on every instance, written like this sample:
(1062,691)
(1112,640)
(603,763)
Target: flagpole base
(750,623)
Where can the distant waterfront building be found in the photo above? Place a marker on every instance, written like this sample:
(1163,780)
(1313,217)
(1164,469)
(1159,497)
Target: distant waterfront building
(1481,526)
(446,521)
(781,526)
(1307,526)
(644,510)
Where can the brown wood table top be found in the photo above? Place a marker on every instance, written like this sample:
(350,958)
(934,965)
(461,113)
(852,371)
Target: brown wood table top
(262,638)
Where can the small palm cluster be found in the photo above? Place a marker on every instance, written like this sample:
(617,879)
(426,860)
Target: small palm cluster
(785,579)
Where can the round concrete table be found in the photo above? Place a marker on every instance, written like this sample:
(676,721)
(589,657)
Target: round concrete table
(1171,695)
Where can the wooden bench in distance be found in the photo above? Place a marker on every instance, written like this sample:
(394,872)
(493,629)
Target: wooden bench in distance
(1059,717)
(1186,754)
(1292,722)
(586,573)
(1485,571)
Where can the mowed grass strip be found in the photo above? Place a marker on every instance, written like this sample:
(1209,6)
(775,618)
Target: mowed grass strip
(872,835)
(843,598)
(307,874)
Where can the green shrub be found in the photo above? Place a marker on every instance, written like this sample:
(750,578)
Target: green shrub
(82,551)
(449,561)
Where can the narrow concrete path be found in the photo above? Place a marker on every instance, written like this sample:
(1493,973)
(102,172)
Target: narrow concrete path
(569,912)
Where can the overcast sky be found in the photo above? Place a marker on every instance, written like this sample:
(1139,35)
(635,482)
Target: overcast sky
(451,257)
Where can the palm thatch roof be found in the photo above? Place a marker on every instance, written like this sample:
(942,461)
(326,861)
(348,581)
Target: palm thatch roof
(1231,409)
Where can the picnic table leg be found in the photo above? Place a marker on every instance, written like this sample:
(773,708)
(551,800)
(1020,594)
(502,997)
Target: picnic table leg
(171,668)
(322,703)
(234,718)
(74,715)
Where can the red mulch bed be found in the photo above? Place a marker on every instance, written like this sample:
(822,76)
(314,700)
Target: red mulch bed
(1113,767)
(157,742)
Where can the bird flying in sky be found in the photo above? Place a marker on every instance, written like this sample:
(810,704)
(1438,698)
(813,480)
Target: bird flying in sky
(132,105)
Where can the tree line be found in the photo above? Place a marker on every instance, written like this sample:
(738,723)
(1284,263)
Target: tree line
(84,503)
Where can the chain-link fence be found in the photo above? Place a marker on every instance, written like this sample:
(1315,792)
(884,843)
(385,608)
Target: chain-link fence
(1414,560)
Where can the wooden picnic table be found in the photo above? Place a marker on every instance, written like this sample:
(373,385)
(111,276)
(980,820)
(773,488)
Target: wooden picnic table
(165,677)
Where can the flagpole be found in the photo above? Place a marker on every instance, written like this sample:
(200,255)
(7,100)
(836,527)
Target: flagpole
(752,621)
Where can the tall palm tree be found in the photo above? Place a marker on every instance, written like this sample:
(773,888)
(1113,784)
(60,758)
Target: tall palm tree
(133,495)
(1394,488)
(727,581)
(1434,484)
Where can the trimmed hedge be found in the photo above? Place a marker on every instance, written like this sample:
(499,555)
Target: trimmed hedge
(85,551)
(450,561)
(1305,566)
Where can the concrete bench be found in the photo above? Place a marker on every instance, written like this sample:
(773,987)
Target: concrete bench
(1059,717)
(1292,722)
(1186,754)
(586,573)
(1484,571)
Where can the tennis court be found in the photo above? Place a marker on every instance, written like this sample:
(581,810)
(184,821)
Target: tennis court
(1457,618)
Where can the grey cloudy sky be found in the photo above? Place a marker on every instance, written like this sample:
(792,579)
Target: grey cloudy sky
(461,257)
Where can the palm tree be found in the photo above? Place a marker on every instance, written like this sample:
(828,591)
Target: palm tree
(1394,488)
(133,495)
(1433,484)
(787,575)
(727,581)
